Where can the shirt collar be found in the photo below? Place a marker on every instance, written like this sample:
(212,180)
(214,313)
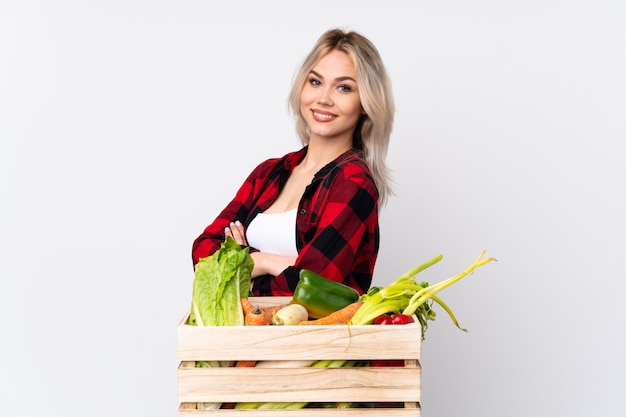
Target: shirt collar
(294,158)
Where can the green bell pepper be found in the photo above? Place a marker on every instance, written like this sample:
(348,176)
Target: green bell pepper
(322,296)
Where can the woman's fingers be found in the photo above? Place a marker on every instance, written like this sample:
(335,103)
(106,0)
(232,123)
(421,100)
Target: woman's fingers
(237,232)
(227,232)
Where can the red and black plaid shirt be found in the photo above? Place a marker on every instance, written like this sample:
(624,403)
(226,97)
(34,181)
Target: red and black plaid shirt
(337,232)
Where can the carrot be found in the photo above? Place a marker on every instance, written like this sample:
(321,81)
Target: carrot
(246,305)
(256,317)
(245,364)
(263,316)
(341,316)
(270,311)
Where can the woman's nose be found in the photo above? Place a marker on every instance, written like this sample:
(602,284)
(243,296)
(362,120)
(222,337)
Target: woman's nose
(325,97)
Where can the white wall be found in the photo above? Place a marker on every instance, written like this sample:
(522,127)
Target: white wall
(126,125)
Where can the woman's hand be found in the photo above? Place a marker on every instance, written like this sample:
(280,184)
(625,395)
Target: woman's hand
(237,232)
(270,263)
(264,263)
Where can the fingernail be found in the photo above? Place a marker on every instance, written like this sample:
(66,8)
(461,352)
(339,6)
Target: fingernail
(238,223)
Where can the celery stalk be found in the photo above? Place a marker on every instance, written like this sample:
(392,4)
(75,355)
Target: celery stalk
(414,271)
(408,296)
(421,296)
(447,310)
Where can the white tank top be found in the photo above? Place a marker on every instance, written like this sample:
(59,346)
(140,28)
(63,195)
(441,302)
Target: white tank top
(274,233)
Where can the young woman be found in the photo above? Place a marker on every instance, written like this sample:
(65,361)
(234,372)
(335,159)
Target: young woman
(317,208)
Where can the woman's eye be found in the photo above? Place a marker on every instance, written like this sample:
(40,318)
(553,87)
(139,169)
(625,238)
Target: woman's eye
(345,88)
(315,82)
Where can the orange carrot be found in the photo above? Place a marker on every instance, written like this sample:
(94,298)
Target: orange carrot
(245,364)
(270,311)
(256,317)
(341,316)
(262,316)
(246,305)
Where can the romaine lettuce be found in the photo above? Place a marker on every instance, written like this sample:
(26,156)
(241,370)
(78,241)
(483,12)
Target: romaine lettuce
(220,281)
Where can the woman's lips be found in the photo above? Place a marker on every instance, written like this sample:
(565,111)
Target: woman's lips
(323,116)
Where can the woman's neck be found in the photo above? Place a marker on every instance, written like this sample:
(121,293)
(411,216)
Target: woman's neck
(320,154)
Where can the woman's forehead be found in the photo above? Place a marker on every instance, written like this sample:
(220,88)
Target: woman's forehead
(335,64)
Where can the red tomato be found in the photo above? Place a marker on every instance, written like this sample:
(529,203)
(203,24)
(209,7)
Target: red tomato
(384,319)
(379,364)
(401,319)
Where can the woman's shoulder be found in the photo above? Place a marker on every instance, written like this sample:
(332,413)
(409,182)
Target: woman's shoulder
(352,163)
(287,162)
(349,171)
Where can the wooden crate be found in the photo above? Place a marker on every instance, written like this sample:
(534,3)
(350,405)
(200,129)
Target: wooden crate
(388,391)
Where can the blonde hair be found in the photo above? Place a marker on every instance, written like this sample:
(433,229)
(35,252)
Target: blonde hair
(371,136)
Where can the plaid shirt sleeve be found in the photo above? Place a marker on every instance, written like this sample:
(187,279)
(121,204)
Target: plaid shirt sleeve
(338,235)
(258,190)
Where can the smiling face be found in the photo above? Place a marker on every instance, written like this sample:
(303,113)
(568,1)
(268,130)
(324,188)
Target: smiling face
(330,102)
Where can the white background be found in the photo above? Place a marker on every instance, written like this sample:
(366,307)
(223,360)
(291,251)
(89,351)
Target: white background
(126,126)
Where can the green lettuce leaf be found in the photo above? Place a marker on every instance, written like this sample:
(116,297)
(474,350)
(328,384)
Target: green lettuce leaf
(220,281)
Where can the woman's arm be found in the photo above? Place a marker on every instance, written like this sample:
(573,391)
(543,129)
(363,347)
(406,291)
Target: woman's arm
(270,263)
(239,208)
(264,263)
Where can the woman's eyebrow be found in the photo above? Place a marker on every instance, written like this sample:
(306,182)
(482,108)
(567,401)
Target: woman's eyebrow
(317,74)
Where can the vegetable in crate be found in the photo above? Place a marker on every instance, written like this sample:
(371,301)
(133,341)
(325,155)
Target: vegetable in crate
(408,296)
(290,315)
(393,319)
(341,316)
(221,281)
(322,296)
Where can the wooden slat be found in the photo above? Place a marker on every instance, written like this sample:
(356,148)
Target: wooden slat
(299,384)
(312,412)
(299,342)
